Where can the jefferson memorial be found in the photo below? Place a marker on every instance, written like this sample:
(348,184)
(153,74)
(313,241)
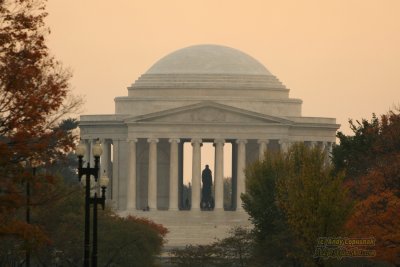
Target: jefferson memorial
(199,94)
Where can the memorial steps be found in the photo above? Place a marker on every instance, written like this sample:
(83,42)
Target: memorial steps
(194,227)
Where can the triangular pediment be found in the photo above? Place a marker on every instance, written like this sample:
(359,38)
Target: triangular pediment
(207,112)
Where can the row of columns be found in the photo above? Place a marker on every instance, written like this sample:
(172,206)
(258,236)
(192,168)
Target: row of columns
(174,170)
(196,173)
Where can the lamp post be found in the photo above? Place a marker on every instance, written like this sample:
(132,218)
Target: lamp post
(95,201)
(28,216)
(28,211)
(89,184)
(34,165)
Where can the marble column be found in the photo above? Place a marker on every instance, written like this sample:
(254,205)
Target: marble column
(219,173)
(284,145)
(327,147)
(314,144)
(330,147)
(152,183)
(115,176)
(262,148)
(173,174)
(131,185)
(105,162)
(241,164)
(196,173)
(91,157)
(86,157)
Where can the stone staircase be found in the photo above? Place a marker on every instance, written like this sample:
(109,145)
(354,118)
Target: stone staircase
(194,227)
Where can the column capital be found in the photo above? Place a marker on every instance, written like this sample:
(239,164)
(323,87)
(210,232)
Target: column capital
(152,140)
(177,140)
(219,141)
(196,141)
(134,140)
(241,141)
(261,141)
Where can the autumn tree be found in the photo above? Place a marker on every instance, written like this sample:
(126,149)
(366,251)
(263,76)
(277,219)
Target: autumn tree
(123,241)
(129,241)
(273,240)
(34,97)
(313,200)
(371,158)
(293,199)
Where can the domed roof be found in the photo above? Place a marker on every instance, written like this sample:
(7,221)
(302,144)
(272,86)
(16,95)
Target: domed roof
(208,59)
(201,69)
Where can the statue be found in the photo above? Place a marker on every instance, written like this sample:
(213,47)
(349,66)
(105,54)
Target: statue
(206,198)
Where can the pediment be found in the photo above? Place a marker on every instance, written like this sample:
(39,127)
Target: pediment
(208,112)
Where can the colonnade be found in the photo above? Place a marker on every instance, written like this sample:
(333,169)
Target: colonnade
(196,143)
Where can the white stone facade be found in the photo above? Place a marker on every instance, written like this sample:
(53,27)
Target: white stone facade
(198,94)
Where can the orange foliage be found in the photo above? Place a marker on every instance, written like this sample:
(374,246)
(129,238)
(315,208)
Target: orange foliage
(377,191)
(159,228)
(33,92)
(378,216)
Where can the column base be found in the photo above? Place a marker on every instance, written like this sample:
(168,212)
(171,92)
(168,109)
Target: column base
(218,209)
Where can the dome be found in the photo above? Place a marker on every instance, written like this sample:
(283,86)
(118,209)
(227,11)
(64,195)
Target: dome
(201,69)
(208,59)
(208,73)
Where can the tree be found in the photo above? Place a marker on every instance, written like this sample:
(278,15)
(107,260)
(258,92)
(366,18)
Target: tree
(194,256)
(293,199)
(234,250)
(274,242)
(129,241)
(237,248)
(313,200)
(371,158)
(122,241)
(34,97)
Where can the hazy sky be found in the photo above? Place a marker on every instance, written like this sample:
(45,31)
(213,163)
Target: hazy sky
(341,57)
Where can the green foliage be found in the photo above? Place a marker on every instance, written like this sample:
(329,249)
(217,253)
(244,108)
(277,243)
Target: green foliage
(313,200)
(274,241)
(194,256)
(125,241)
(292,199)
(129,241)
(233,251)
(63,220)
(355,152)
(375,146)
(237,248)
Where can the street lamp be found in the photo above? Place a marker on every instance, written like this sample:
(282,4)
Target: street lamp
(92,175)
(34,164)
(102,201)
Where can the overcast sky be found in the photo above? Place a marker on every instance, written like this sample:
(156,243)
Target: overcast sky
(341,57)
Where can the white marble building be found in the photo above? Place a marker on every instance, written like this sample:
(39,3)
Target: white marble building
(204,93)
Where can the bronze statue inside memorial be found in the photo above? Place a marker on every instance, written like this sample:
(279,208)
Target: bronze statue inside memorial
(207,201)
